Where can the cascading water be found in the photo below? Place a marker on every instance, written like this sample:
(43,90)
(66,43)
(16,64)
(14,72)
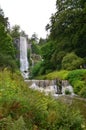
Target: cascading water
(24,65)
(51,87)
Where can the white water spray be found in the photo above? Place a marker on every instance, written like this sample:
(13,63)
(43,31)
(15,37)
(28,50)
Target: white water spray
(24,65)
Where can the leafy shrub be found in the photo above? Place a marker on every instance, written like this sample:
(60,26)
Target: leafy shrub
(71,61)
(56,74)
(56,59)
(7,61)
(83,92)
(48,71)
(78,85)
(29,109)
(35,48)
(76,75)
(67,92)
(9,124)
(77,80)
(46,53)
(68,124)
(37,69)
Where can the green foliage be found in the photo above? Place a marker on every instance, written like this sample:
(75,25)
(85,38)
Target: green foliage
(7,61)
(78,85)
(15,32)
(56,74)
(3,20)
(7,49)
(22,108)
(35,48)
(56,59)
(65,123)
(82,93)
(25,109)
(67,35)
(34,38)
(37,70)
(42,41)
(46,53)
(67,92)
(78,81)
(68,23)
(67,28)
(75,75)
(6,45)
(71,61)
(9,124)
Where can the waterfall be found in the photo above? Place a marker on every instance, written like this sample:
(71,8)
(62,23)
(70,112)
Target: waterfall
(24,65)
(50,87)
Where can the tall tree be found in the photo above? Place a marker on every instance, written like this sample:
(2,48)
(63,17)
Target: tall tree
(7,49)
(6,45)
(3,20)
(15,31)
(34,38)
(68,25)
(67,29)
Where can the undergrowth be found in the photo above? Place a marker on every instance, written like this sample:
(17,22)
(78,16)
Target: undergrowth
(24,109)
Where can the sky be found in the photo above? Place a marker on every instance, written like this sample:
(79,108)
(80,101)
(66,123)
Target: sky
(31,15)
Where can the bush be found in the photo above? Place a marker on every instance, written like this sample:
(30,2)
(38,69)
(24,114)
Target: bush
(23,108)
(56,59)
(7,61)
(35,48)
(71,61)
(76,75)
(65,118)
(56,74)
(77,80)
(37,69)
(78,85)
(83,92)
(67,92)
(9,124)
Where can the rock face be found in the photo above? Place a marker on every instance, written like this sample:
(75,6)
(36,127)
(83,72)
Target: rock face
(17,46)
(53,87)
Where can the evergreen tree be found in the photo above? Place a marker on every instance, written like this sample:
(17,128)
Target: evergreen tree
(67,30)
(7,49)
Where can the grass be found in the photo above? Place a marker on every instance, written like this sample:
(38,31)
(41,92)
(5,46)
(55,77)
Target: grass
(56,74)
